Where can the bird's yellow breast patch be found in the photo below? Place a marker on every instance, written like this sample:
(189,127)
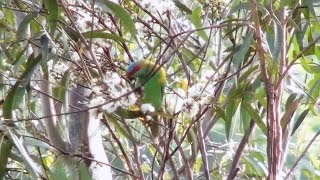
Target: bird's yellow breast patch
(163,75)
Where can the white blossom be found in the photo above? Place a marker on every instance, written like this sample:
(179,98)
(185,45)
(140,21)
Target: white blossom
(50,64)
(130,100)
(174,101)
(194,110)
(112,79)
(84,20)
(96,101)
(148,118)
(110,107)
(75,56)
(207,74)
(195,90)
(111,87)
(147,108)
(199,95)
(57,70)
(170,70)
(54,51)
(160,5)
(60,68)
(191,107)
(96,90)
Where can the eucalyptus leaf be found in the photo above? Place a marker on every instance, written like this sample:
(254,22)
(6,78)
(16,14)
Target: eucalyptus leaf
(121,13)
(300,119)
(53,11)
(197,22)
(256,117)
(104,35)
(32,168)
(23,27)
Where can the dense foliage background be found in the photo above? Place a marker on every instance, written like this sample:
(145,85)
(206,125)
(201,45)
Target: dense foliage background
(241,97)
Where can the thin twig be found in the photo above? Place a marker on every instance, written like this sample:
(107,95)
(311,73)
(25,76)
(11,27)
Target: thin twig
(83,40)
(297,57)
(105,122)
(302,155)
(203,151)
(236,159)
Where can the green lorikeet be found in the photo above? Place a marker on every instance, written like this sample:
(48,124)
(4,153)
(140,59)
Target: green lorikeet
(151,78)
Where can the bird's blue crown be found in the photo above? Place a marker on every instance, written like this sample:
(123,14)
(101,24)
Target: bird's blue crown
(132,66)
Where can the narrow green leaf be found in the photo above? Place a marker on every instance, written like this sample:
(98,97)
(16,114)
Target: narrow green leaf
(247,73)
(299,120)
(22,29)
(59,171)
(19,97)
(289,3)
(255,166)
(30,141)
(84,173)
(298,39)
(5,150)
(182,7)
(244,117)
(44,43)
(314,86)
(120,128)
(293,23)
(220,112)
(256,117)
(31,166)
(71,32)
(239,5)
(273,39)
(193,139)
(305,64)
(317,52)
(258,154)
(290,99)
(60,91)
(19,58)
(190,55)
(314,68)
(121,13)
(10,16)
(31,65)
(53,10)
(231,108)
(196,21)
(35,27)
(239,55)
(10,99)
(290,110)
(104,35)
(311,9)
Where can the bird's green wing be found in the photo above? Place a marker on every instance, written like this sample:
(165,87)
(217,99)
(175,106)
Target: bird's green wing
(153,91)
